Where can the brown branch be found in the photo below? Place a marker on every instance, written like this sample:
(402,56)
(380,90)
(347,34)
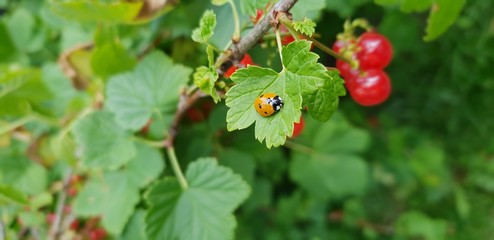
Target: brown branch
(186,100)
(237,50)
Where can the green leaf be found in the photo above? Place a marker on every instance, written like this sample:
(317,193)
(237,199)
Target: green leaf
(110,59)
(443,14)
(204,78)
(346,8)
(328,176)
(205,207)
(415,5)
(206,27)
(301,77)
(112,197)
(147,165)
(306,26)
(21,89)
(136,228)
(240,162)
(311,9)
(104,143)
(13,194)
(21,26)
(323,102)
(7,47)
(415,224)
(332,168)
(20,173)
(96,11)
(153,87)
(218,2)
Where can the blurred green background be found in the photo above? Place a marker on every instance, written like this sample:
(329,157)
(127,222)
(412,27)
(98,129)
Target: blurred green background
(419,166)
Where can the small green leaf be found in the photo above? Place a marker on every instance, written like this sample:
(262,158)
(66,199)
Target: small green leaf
(13,194)
(218,2)
(205,207)
(147,165)
(112,197)
(204,78)
(443,14)
(153,87)
(301,77)
(104,143)
(206,27)
(97,11)
(323,102)
(306,26)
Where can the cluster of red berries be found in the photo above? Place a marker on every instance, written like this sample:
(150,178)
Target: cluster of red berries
(368,84)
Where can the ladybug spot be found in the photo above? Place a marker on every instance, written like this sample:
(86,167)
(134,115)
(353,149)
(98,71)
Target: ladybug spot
(265,113)
(261,95)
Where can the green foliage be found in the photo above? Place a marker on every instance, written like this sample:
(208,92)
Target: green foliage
(104,143)
(418,166)
(418,225)
(335,150)
(443,15)
(9,193)
(213,193)
(97,11)
(152,88)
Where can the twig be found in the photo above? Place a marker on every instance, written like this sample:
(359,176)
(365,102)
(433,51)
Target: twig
(186,100)
(62,196)
(237,50)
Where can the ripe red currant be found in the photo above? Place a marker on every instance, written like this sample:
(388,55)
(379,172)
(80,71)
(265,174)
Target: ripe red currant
(370,88)
(247,60)
(346,71)
(375,51)
(298,127)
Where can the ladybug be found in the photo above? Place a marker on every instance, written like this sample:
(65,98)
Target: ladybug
(268,104)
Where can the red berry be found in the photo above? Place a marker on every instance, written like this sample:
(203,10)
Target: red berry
(50,218)
(370,88)
(74,225)
(72,191)
(97,234)
(247,60)
(298,127)
(346,71)
(258,17)
(195,115)
(375,51)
